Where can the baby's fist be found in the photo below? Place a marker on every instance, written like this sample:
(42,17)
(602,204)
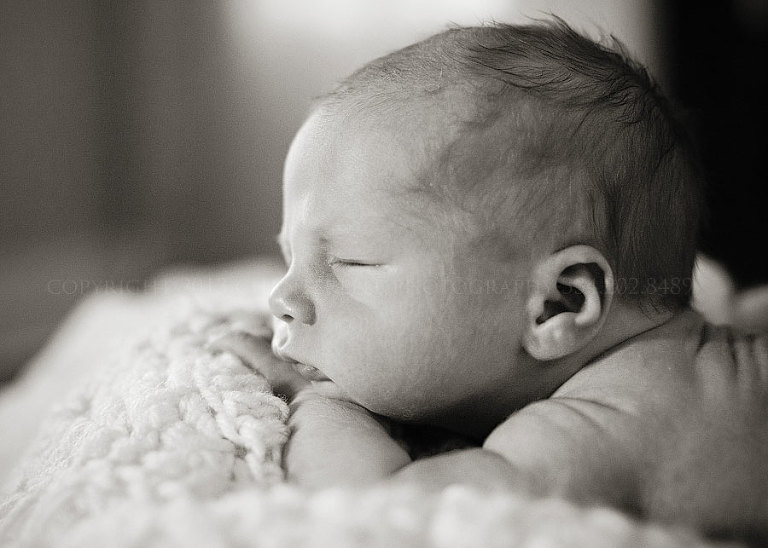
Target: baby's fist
(256,352)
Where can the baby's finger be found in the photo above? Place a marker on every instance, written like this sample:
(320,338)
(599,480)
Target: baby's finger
(257,354)
(249,348)
(258,325)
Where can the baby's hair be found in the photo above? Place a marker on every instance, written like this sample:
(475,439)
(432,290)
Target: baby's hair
(574,131)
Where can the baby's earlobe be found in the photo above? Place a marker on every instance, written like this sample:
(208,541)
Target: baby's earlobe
(551,339)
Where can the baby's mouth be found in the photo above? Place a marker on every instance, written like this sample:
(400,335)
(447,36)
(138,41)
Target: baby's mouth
(309,372)
(321,384)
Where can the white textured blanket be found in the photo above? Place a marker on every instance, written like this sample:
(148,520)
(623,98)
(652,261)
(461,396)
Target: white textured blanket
(167,444)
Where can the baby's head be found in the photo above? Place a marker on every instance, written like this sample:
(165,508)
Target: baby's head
(462,215)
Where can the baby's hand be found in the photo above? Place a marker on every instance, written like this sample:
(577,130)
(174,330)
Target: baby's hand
(256,352)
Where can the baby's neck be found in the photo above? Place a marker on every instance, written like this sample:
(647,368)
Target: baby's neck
(623,324)
(478,418)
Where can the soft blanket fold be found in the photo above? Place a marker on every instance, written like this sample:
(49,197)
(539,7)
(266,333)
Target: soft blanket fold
(167,419)
(169,444)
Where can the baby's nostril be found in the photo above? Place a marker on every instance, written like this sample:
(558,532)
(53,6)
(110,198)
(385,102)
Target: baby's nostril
(286,318)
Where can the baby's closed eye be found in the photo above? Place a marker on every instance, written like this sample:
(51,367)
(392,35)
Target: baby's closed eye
(345,263)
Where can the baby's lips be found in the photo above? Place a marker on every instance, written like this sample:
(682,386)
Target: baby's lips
(309,372)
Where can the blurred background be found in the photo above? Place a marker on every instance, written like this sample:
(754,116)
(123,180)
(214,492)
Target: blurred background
(140,135)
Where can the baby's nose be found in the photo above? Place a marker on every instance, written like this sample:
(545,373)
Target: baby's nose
(288,302)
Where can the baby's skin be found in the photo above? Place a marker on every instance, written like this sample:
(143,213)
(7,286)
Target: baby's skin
(397,308)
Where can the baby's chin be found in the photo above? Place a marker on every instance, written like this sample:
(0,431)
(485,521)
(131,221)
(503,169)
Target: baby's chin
(329,389)
(402,411)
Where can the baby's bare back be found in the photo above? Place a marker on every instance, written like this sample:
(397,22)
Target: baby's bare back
(672,425)
(712,464)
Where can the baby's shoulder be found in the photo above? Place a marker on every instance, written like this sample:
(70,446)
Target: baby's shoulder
(651,370)
(683,363)
(631,425)
(637,376)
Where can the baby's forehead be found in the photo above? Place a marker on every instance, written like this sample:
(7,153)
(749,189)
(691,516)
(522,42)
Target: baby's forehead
(444,146)
(347,152)
(343,164)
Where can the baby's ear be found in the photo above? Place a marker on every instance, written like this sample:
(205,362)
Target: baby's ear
(571,294)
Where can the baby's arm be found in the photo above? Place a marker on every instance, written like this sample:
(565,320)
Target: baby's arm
(559,446)
(337,442)
(576,448)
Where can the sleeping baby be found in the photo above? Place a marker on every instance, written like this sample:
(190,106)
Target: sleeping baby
(492,232)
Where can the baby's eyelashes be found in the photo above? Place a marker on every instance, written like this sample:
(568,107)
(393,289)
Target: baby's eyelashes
(333,261)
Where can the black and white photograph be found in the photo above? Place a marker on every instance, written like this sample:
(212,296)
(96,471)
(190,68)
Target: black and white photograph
(383,273)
